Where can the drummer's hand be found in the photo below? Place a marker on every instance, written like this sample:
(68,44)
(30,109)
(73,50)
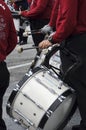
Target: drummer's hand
(19,12)
(44,44)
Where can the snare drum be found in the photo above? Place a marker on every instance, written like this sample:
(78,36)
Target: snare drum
(41,101)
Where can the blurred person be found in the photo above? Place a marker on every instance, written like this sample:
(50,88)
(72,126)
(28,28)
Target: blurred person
(17,4)
(38,15)
(8,41)
(21,5)
(70,34)
(29,2)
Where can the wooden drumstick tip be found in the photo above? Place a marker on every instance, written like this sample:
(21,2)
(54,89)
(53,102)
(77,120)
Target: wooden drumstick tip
(25,34)
(19,49)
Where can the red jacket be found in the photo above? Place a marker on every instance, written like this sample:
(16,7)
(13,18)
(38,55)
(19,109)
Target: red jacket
(8,37)
(29,1)
(71,19)
(39,9)
(54,14)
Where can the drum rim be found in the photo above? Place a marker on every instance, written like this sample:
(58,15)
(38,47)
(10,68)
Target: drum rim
(53,107)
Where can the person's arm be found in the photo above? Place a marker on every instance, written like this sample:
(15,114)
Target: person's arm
(52,23)
(29,1)
(66,23)
(12,36)
(67,20)
(54,14)
(41,5)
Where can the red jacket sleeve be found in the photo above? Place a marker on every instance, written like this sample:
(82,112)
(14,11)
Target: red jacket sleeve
(8,36)
(29,1)
(12,37)
(36,8)
(54,14)
(66,20)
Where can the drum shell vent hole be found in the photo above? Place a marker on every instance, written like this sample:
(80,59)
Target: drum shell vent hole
(21,103)
(34,114)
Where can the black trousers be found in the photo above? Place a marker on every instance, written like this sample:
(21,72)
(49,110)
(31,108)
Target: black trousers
(4,82)
(21,31)
(77,78)
(35,25)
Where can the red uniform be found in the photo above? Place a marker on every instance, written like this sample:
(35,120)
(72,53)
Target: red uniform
(38,15)
(8,37)
(54,14)
(29,1)
(66,23)
(8,41)
(71,34)
(39,9)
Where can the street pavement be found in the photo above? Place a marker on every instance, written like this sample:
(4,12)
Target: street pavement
(18,64)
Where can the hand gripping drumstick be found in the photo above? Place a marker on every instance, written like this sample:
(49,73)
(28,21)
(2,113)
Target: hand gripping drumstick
(21,49)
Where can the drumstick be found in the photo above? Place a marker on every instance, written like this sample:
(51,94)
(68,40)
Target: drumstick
(14,11)
(39,30)
(21,49)
(27,33)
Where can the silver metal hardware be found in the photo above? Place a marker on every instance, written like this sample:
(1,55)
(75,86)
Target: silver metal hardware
(28,120)
(29,74)
(38,105)
(61,98)
(60,85)
(50,89)
(48,113)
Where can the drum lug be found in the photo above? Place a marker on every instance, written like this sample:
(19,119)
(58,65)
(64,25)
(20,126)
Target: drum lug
(61,98)
(60,85)
(8,105)
(48,113)
(16,121)
(17,87)
(29,74)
